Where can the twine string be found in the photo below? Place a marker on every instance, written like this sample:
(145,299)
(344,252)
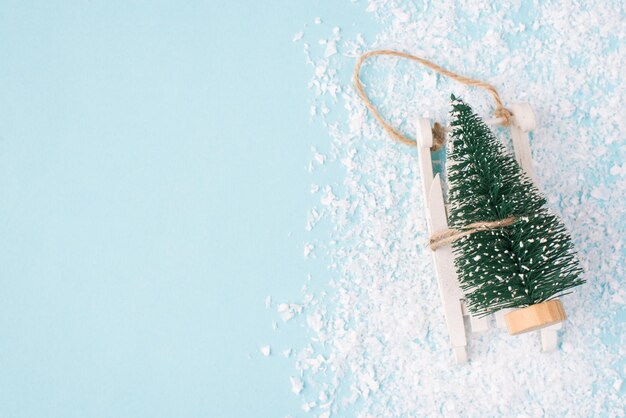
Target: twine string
(438,130)
(448,236)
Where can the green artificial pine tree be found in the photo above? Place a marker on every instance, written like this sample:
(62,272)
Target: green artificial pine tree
(522,264)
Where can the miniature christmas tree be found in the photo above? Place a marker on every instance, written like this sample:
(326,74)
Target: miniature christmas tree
(519,254)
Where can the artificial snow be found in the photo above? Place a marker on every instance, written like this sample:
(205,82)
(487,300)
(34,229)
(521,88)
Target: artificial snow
(288,310)
(296,385)
(308,250)
(266,350)
(377,342)
(298,36)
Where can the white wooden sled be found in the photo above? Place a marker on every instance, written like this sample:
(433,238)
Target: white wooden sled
(452,297)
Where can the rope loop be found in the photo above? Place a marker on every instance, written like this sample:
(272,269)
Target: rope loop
(438,130)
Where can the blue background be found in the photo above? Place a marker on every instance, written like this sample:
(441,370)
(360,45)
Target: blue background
(153,190)
(153,186)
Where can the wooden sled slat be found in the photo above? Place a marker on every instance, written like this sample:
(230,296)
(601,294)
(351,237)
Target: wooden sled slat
(451,295)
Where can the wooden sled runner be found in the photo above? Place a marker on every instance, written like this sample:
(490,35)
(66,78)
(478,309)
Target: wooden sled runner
(452,297)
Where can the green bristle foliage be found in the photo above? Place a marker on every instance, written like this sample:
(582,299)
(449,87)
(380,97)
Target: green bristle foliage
(523,264)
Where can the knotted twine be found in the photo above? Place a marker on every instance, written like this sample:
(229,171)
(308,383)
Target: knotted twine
(447,236)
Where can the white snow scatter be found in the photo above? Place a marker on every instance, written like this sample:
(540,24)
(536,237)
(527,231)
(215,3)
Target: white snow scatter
(601,192)
(377,344)
(298,36)
(317,20)
(400,14)
(320,70)
(296,385)
(266,350)
(617,170)
(307,406)
(315,322)
(328,197)
(319,158)
(331,49)
(312,219)
(308,250)
(288,310)
(268,301)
